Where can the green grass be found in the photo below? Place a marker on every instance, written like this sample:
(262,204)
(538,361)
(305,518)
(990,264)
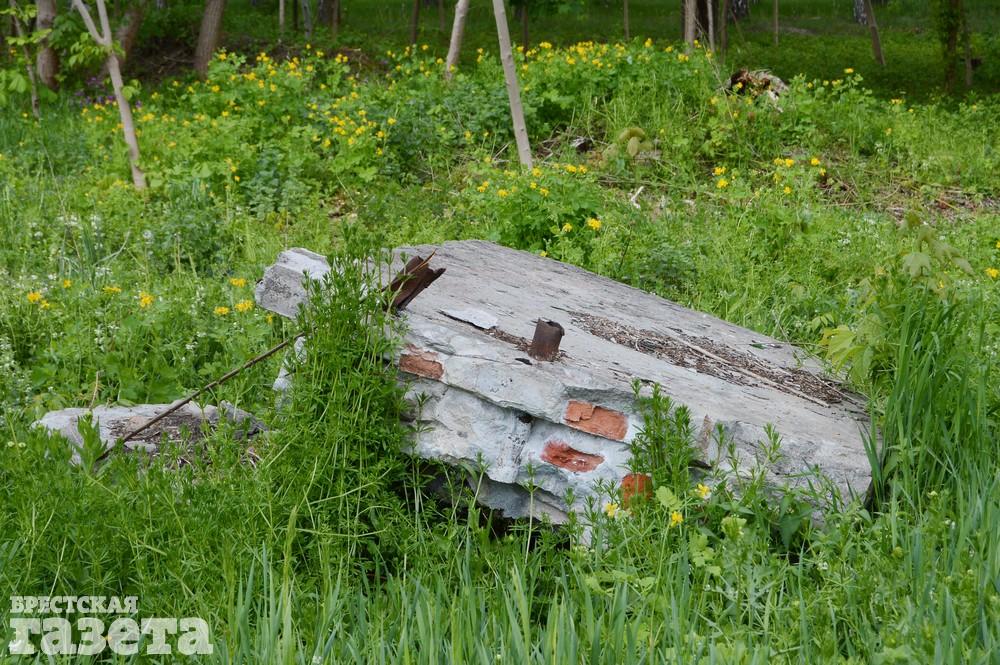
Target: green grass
(334,549)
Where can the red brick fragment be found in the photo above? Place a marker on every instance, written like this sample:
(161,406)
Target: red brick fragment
(636,486)
(559,453)
(421,362)
(596,420)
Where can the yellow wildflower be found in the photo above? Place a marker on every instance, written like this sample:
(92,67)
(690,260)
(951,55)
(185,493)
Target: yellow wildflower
(244,306)
(111,289)
(998,244)
(787,190)
(570,168)
(221,311)
(66,283)
(238,282)
(722,183)
(992,273)
(34,296)
(703,491)
(814,161)
(544,191)
(849,70)
(789,162)
(719,170)
(594,223)
(391,121)
(567,227)
(611,510)
(676,519)
(502,193)
(145,299)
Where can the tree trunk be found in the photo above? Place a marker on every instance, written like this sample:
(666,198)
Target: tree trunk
(689,22)
(955,15)
(208,36)
(774,20)
(628,29)
(968,58)
(128,31)
(47,62)
(710,12)
(128,125)
(295,16)
(740,9)
(513,90)
(307,18)
(724,25)
(103,38)
(861,12)
(335,17)
(442,18)
(457,31)
(21,32)
(873,27)
(415,22)
(281,19)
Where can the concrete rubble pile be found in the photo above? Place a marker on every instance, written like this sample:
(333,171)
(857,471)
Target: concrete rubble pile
(187,425)
(527,366)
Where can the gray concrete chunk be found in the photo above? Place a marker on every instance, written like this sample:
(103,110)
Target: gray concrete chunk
(564,426)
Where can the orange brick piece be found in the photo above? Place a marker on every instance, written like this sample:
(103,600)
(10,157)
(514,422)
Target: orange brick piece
(420,362)
(559,453)
(596,420)
(636,487)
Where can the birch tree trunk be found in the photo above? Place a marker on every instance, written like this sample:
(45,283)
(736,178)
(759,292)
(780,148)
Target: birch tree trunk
(47,62)
(457,31)
(873,28)
(513,90)
(20,31)
(281,19)
(208,36)
(103,38)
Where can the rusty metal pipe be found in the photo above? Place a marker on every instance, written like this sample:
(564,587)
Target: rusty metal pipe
(545,344)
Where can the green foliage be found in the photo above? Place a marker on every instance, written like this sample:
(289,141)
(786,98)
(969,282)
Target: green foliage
(784,217)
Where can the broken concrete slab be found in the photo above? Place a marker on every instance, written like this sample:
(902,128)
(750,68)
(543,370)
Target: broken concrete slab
(189,424)
(562,427)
